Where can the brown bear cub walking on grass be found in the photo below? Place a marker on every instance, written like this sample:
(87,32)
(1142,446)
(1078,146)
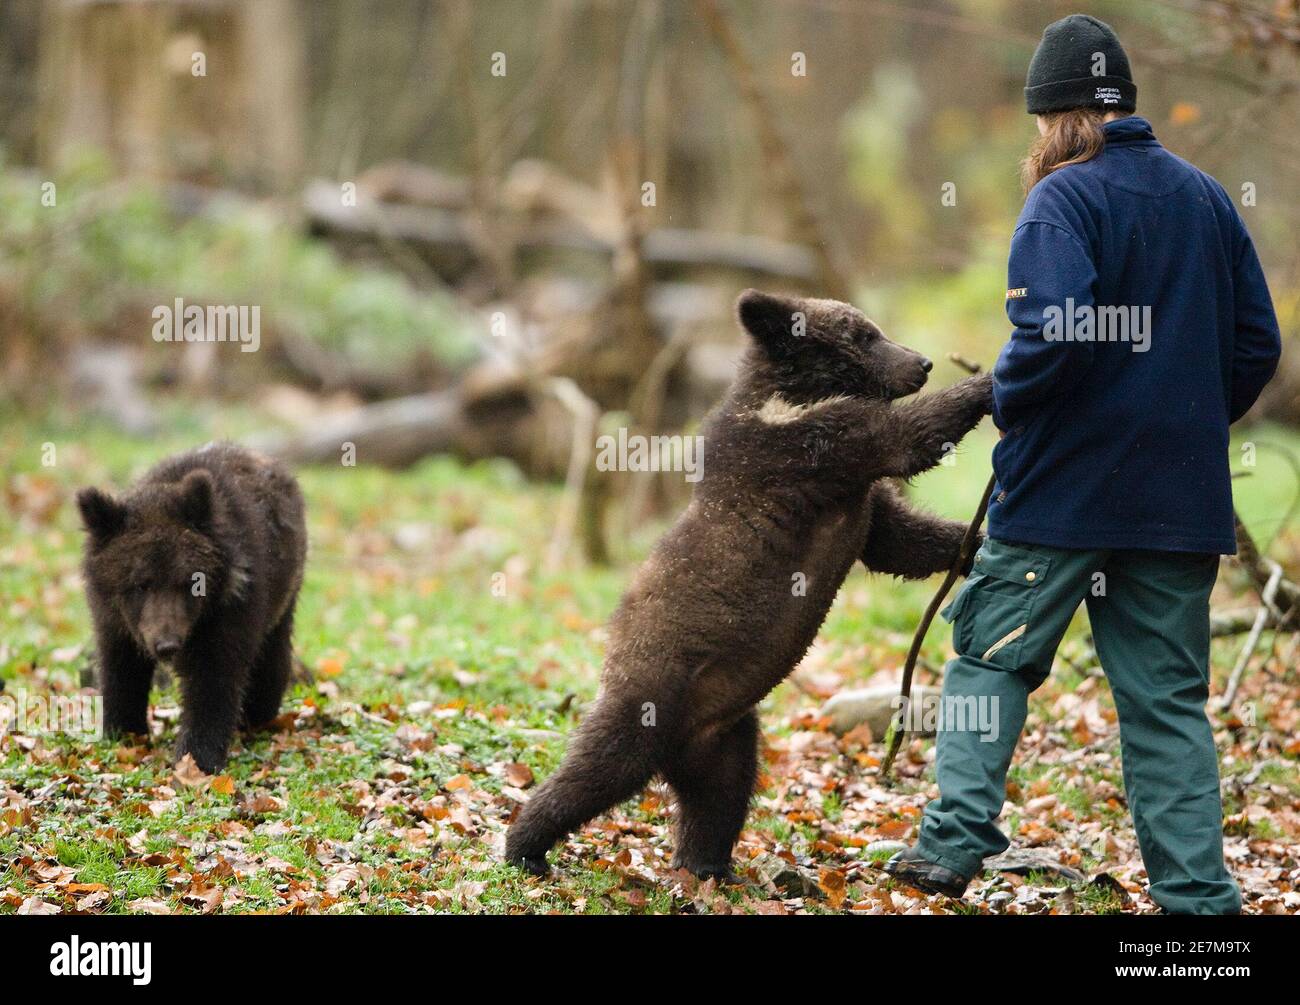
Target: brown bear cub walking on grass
(732,596)
(198,566)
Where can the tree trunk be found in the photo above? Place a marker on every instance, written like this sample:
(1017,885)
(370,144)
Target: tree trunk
(173,90)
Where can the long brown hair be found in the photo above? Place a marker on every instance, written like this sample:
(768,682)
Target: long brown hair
(1072,136)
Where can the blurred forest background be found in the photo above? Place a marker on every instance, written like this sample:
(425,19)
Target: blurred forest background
(479,234)
(495,196)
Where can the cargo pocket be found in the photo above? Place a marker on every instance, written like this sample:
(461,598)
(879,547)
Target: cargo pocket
(992,613)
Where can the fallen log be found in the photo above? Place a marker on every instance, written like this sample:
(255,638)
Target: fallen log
(325,370)
(393,433)
(1236,622)
(450,231)
(516,422)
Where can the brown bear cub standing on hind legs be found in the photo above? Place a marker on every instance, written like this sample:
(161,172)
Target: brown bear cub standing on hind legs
(794,461)
(198,566)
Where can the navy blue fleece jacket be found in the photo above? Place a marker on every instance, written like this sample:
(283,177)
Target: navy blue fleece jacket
(1143,327)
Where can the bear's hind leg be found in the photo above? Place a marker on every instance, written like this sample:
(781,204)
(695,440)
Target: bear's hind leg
(713,782)
(610,759)
(270,675)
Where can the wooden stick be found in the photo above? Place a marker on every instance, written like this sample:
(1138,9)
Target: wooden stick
(963,556)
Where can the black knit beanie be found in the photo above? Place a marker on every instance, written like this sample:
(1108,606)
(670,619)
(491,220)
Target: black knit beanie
(1079,64)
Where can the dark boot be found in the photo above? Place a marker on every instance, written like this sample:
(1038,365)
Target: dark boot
(909,867)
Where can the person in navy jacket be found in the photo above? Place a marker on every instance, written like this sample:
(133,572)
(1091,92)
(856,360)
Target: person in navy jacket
(1143,327)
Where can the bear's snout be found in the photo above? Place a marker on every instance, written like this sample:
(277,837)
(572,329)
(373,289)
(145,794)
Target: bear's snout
(915,376)
(900,370)
(164,625)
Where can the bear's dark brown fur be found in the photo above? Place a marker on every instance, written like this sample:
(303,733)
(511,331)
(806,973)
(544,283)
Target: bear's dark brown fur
(794,462)
(199,566)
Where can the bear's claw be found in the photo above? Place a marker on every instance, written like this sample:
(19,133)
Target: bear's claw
(535,864)
(722,873)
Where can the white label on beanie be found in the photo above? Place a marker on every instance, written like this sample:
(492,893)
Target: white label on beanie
(1107,95)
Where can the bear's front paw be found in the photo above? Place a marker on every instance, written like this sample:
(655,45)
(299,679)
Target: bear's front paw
(535,864)
(982,385)
(720,871)
(116,728)
(209,756)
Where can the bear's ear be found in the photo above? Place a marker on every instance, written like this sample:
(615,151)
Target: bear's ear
(102,515)
(774,321)
(195,503)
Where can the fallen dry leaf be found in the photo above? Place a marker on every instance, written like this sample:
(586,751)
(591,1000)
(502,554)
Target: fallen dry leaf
(145,905)
(342,878)
(189,774)
(91,901)
(206,900)
(519,775)
(832,883)
(35,906)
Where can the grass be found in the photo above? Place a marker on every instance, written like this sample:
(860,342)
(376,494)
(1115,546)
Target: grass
(101,252)
(388,786)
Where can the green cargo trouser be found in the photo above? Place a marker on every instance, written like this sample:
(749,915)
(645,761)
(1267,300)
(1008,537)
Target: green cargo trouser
(1149,612)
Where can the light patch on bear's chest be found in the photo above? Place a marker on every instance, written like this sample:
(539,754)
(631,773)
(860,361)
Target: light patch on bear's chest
(776,411)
